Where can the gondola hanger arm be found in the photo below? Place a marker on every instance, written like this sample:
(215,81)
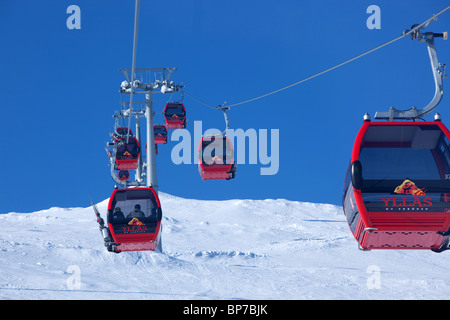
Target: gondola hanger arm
(438,75)
(227,121)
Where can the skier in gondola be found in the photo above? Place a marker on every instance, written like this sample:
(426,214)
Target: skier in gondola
(118,214)
(136,213)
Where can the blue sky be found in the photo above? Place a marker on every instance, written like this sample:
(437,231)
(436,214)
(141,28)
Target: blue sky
(59,89)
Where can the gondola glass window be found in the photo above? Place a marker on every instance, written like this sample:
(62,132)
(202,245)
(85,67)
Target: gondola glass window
(175,110)
(128,150)
(160,130)
(131,204)
(401,152)
(216,152)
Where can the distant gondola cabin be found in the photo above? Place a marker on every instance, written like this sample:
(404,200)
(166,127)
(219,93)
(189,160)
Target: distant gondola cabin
(175,115)
(216,158)
(134,219)
(160,133)
(127,153)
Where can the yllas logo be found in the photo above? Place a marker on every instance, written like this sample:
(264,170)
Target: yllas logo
(408,188)
(135,222)
(134,226)
(126,155)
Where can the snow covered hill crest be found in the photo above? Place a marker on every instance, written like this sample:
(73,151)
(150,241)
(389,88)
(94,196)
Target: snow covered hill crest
(235,249)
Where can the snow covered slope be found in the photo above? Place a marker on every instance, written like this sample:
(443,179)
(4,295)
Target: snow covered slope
(235,249)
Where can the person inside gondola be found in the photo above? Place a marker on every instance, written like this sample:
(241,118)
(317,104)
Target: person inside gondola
(136,213)
(122,152)
(214,154)
(118,214)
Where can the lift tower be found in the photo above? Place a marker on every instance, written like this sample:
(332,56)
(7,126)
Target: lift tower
(146,81)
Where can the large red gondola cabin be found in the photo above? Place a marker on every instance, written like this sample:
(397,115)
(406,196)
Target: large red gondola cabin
(216,158)
(175,115)
(134,219)
(397,188)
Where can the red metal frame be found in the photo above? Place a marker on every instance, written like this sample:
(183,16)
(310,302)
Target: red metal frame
(397,230)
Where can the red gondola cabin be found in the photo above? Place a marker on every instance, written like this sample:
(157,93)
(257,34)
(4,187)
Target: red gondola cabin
(124,175)
(397,188)
(127,154)
(216,158)
(134,220)
(175,115)
(160,132)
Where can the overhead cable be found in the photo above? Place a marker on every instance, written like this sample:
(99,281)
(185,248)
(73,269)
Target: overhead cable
(404,34)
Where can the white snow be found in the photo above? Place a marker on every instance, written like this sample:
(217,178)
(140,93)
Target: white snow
(235,249)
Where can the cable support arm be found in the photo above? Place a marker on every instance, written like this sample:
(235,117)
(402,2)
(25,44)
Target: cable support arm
(438,75)
(227,121)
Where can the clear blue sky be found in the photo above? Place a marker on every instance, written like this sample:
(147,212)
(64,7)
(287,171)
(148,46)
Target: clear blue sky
(59,89)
